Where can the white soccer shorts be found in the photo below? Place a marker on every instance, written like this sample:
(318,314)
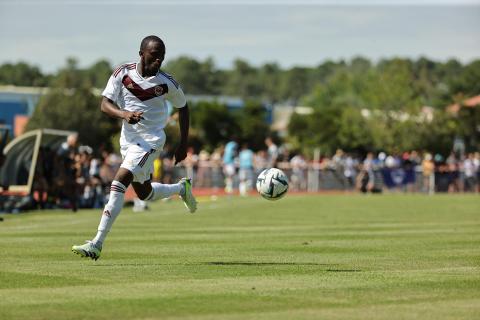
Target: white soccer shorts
(139,161)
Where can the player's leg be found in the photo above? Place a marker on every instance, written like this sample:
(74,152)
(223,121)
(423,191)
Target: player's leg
(112,209)
(151,191)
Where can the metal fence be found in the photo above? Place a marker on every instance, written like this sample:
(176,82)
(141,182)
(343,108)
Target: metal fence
(314,178)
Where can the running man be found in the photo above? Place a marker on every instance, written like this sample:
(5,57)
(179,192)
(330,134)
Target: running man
(137,93)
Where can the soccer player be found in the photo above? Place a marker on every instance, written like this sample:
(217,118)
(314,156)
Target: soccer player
(137,93)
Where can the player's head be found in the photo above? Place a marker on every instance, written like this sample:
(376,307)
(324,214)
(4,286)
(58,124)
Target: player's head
(152,53)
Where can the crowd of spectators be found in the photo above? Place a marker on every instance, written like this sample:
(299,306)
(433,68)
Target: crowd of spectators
(79,177)
(409,171)
(73,177)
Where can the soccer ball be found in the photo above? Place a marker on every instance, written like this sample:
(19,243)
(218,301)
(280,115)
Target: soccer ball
(272,184)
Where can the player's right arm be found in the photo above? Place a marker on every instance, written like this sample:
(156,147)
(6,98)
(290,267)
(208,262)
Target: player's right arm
(111,94)
(107,106)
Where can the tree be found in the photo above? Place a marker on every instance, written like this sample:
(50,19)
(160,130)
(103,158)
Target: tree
(296,84)
(196,77)
(243,81)
(71,105)
(253,125)
(22,74)
(99,73)
(270,76)
(213,123)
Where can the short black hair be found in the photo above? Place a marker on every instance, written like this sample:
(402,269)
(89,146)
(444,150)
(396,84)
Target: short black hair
(147,40)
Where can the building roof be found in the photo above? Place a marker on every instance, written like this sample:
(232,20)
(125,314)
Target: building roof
(469,103)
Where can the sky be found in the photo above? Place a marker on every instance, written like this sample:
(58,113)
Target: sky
(290,33)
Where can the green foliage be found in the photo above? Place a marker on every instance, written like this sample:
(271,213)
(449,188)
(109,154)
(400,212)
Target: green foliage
(392,90)
(99,73)
(393,93)
(215,123)
(243,80)
(253,127)
(22,74)
(71,105)
(195,76)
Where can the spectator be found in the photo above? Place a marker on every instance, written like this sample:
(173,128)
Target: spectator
(260,162)
(68,171)
(349,171)
(408,166)
(245,174)
(190,163)
(476,162)
(203,171)
(470,171)
(454,173)
(368,179)
(216,165)
(229,171)
(167,166)
(272,150)
(428,170)
(299,165)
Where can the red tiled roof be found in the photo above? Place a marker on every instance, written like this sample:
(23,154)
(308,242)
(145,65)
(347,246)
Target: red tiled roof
(472,102)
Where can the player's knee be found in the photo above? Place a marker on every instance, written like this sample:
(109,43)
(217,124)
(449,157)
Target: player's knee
(142,196)
(142,190)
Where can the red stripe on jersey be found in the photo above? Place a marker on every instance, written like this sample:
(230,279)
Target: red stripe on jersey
(144,94)
(119,68)
(123,66)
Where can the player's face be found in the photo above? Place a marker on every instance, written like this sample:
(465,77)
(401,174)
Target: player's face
(152,58)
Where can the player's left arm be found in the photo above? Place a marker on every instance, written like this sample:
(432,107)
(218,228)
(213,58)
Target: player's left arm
(177,98)
(184,122)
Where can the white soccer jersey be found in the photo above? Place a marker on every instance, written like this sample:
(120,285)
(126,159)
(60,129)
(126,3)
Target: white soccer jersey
(132,92)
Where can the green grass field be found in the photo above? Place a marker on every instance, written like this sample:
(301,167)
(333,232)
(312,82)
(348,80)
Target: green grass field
(304,257)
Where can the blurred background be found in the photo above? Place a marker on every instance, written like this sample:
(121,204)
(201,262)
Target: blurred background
(344,96)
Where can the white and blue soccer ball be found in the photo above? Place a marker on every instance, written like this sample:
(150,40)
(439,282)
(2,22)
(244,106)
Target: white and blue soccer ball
(272,184)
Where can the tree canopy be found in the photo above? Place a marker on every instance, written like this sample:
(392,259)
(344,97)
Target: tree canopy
(357,104)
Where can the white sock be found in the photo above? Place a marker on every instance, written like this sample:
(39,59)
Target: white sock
(111,211)
(161,191)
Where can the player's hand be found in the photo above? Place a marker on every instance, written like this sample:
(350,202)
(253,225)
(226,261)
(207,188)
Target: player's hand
(132,117)
(180,153)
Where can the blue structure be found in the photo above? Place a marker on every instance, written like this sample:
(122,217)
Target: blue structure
(23,100)
(17,101)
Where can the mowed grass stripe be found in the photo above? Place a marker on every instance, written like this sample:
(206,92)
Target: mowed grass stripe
(301,257)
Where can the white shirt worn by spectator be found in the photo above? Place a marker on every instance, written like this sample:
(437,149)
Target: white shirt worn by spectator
(272,154)
(469,168)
